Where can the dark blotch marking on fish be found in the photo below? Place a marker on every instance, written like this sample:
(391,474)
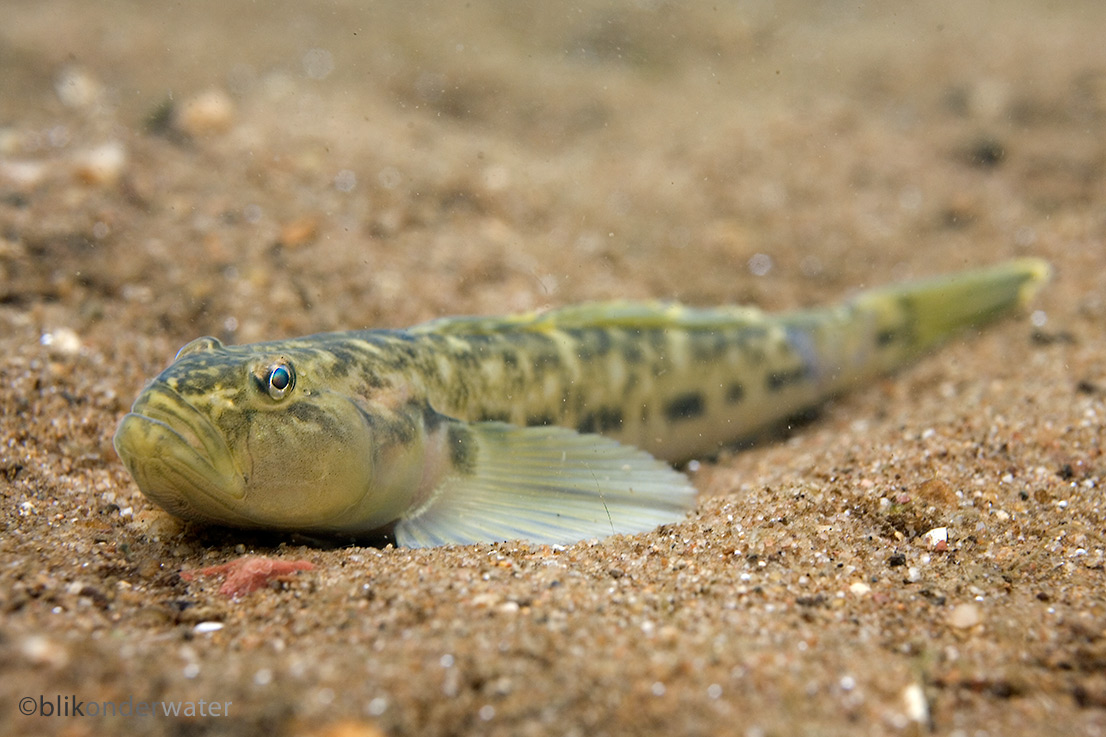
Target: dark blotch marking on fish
(779,380)
(735,392)
(886,337)
(658,340)
(909,327)
(603,419)
(708,347)
(349,360)
(462,448)
(381,339)
(188,381)
(604,342)
(582,347)
(431,420)
(540,419)
(685,406)
(751,343)
(510,359)
(398,428)
(465,360)
(545,362)
(632,379)
(591,344)
(495,417)
(631,351)
(309,413)
(479,343)
(346,359)
(801,417)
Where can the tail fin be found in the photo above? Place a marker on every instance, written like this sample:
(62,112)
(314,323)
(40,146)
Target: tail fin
(882,329)
(919,315)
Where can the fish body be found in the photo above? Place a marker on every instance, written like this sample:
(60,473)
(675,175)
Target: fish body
(545,426)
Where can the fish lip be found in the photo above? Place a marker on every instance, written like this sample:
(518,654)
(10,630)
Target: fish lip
(172,449)
(160,403)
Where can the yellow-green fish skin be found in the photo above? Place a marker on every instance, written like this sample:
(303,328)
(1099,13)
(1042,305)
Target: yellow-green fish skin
(425,430)
(679,381)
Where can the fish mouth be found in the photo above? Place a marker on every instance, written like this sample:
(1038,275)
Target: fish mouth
(179,459)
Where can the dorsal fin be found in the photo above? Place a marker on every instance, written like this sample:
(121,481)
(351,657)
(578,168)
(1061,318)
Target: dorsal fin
(616,314)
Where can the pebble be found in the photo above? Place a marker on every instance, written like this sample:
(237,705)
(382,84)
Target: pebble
(965,616)
(157,524)
(914,703)
(101,166)
(300,231)
(77,88)
(937,538)
(205,113)
(41,650)
(23,175)
(61,342)
(203,628)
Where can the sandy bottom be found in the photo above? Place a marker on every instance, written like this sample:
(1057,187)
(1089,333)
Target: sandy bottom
(262,170)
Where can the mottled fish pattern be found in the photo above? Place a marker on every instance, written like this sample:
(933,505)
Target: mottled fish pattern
(544,426)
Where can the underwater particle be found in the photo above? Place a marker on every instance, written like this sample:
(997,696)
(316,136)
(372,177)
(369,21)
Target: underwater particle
(389,177)
(318,63)
(345,180)
(810,266)
(760,264)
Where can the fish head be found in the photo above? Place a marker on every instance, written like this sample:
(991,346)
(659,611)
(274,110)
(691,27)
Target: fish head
(249,436)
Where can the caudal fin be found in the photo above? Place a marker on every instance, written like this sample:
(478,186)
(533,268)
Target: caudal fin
(882,329)
(924,313)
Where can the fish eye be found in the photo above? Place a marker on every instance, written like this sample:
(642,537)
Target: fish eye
(280,379)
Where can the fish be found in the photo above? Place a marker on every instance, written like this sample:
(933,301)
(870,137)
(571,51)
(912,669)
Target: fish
(550,427)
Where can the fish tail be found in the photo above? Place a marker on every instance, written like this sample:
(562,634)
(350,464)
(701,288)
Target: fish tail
(882,329)
(920,315)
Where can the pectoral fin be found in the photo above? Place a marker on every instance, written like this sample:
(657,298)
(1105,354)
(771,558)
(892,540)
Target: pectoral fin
(545,485)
